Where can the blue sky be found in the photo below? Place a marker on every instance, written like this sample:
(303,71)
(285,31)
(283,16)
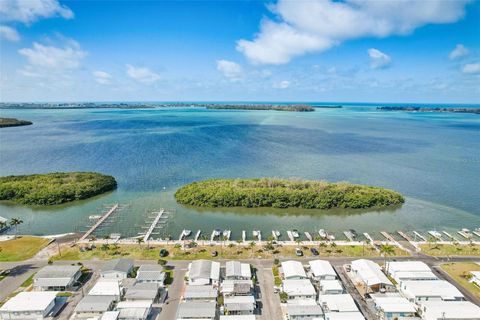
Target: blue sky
(284,50)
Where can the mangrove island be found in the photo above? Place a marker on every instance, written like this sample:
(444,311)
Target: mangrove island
(276,107)
(54,188)
(12,122)
(282,193)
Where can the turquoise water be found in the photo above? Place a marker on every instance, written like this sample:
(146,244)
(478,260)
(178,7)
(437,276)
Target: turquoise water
(432,158)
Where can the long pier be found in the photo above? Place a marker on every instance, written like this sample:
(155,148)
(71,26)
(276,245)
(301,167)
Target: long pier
(99,222)
(153,225)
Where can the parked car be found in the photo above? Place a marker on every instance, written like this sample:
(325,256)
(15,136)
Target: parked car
(163,253)
(298,252)
(314,251)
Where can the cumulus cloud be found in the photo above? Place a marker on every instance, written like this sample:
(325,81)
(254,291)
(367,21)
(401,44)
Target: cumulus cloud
(471,68)
(282,84)
(378,59)
(28,11)
(102,77)
(144,75)
(458,52)
(317,25)
(9,34)
(54,58)
(230,70)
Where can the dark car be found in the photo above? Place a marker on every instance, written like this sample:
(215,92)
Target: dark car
(298,252)
(214,253)
(314,251)
(163,253)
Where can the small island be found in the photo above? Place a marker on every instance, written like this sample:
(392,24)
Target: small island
(54,188)
(428,109)
(12,122)
(282,193)
(276,107)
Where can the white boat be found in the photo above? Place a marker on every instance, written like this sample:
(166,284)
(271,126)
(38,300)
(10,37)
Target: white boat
(277,233)
(274,235)
(465,230)
(330,237)
(244,235)
(295,233)
(290,235)
(226,233)
(94,217)
(115,236)
(322,233)
(217,232)
(187,232)
(255,233)
(435,234)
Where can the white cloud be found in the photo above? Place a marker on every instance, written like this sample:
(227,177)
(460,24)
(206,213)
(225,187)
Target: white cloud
(231,70)
(144,75)
(9,33)
(471,68)
(282,84)
(102,77)
(54,58)
(28,11)
(458,52)
(317,25)
(378,59)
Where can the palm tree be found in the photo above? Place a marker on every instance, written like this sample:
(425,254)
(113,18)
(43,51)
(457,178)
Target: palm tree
(386,250)
(15,222)
(139,241)
(106,238)
(3,225)
(252,245)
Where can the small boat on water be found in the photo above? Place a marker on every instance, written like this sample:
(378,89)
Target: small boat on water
(277,233)
(94,217)
(353,233)
(330,237)
(187,232)
(322,233)
(255,233)
(217,232)
(226,234)
(437,235)
(295,233)
(115,236)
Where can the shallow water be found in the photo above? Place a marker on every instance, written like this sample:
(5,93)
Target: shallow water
(432,158)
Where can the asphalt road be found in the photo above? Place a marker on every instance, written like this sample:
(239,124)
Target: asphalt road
(175,291)
(270,301)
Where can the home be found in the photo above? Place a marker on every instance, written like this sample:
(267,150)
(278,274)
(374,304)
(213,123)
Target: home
(110,315)
(93,307)
(449,310)
(238,317)
(330,287)
(417,291)
(147,291)
(293,270)
(107,287)
(56,278)
(191,310)
(203,272)
(354,315)
(322,270)
(117,269)
(134,310)
(475,277)
(237,271)
(200,293)
(371,276)
(149,273)
(337,303)
(409,270)
(299,289)
(236,287)
(308,311)
(239,305)
(393,306)
(29,306)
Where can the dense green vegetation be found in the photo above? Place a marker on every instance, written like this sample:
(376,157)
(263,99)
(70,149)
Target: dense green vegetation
(12,122)
(280,193)
(54,188)
(289,107)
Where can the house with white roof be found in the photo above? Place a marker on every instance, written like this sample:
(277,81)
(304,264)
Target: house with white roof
(29,306)
(409,270)
(134,310)
(475,277)
(93,307)
(116,269)
(107,287)
(197,311)
(449,310)
(417,291)
(110,315)
(304,311)
(235,270)
(330,287)
(322,270)
(369,273)
(299,289)
(203,272)
(238,317)
(293,270)
(146,291)
(337,303)
(393,306)
(236,287)
(150,273)
(200,293)
(354,315)
(56,278)
(241,305)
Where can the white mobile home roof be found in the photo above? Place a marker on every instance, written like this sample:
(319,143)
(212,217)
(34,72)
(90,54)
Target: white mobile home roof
(393,304)
(237,269)
(399,266)
(117,265)
(438,310)
(356,315)
(204,269)
(105,288)
(300,287)
(321,268)
(414,275)
(436,288)
(238,317)
(110,315)
(95,304)
(304,310)
(57,271)
(337,302)
(200,292)
(328,285)
(292,269)
(196,310)
(150,273)
(370,272)
(29,301)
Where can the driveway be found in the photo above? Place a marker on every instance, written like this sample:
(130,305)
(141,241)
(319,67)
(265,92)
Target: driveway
(271,309)
(175,291)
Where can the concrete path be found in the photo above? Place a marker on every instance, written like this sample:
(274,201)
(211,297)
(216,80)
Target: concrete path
(271,308)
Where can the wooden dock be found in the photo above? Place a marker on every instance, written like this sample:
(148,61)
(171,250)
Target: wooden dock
(290,235)
(244,235)
(464,234)
(449,236)
(388,236)
(308,235)
(274,235)
(153,225)
(99,222)
(405,236)
(476,233)
(419,235)
(368,237)
(348,235)
(197,235)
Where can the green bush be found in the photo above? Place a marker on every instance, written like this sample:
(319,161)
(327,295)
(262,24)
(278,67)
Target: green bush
(281,193)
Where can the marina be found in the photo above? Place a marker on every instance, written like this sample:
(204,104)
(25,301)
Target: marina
(101,220)
(153,225)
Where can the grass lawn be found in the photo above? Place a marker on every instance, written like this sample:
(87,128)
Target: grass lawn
(451,250)
(21,248)
(28,282)
(205,252)
(460,271)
